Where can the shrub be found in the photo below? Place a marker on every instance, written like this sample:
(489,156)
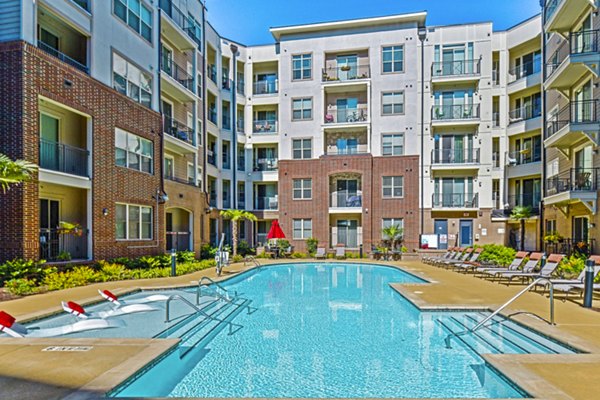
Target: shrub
(311,245)
(244,248)
(404,249)
(262,255)
(22,286)
(571,266)
(163,260)
(64,256)
(19,268)
(78,276)
(186,256)
(207,251)
(497,254)
(298,254)
(283,244)
(237,258)
(113,272)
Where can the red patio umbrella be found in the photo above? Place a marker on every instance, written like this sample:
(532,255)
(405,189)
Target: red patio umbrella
(275,232)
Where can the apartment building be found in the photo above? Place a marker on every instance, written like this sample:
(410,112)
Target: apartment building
(572,123)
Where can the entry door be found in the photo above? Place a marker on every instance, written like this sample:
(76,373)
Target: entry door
(347,109)
(348,232)
(583,106)
(167,60)
(169,228)
(346,190)
(49,221)
(347,67)
(466,233)
(49,133)
(168,112)
(580,229)
(441,229)
(454,61)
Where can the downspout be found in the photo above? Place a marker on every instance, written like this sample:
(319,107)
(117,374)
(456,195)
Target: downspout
(544,128)
(160,135)
(422,35)
(233,107)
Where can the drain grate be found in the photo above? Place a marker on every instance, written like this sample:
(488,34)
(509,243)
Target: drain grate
(68,348)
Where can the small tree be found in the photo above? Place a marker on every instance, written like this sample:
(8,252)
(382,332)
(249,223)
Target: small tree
(394,234)
(235,216)
(14,172)
(521,213)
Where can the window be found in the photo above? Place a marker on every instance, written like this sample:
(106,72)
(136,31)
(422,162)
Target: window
(131,81)
(387,222)
(393,59)
(552,168)
(302,189)
(199,177)
(393,145)
(301,109)
(302,228)
(550,226)
(302,148)
(135,14)
(132,151)
(393,186)
(169,167)
(393,103)
(301,66)
(190,173)
(133,222)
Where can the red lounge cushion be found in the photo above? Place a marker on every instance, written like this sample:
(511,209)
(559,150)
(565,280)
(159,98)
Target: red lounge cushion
(6,320)
(75,307)
(109,295)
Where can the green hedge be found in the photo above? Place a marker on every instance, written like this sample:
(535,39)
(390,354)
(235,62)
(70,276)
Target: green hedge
(497,254)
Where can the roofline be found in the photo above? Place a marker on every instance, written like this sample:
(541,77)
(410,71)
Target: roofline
(277,32)
(522,22)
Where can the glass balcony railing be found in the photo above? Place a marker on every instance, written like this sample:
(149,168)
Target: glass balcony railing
(265,87)
(61,157)
(455,200)
(265,126)
(454,112)
(456,68)
(265,164)
(455,156)
(265,203)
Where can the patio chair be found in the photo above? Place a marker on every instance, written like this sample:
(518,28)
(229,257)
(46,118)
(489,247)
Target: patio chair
(78,311)
(471,263)
(456,253)
(546,271)
(429,259)
(340,253)
(513,266)
(459,260)
(534,259)
(320,254)
(574,282)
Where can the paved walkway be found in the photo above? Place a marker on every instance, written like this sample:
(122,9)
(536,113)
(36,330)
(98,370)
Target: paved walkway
(27,372)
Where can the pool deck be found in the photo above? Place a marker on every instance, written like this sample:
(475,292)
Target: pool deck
(29,372)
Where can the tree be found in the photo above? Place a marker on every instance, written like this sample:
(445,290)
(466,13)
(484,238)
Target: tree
(14,172)
(521,213)
(235,216)
(394,234)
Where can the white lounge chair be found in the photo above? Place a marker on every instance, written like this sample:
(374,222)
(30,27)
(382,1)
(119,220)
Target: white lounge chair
(109,296)
(320,253)
(340,253)
(77,310)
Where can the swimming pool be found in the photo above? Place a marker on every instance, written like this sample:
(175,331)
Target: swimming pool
(332,330)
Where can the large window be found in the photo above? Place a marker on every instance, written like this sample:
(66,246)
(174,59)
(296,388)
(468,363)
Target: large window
(393,59)
(302,148)
(301,109)
(132,151)
(387,222)
(302,66)
(393,103)
(135,14)
(302,228)
(393,144)
(131,81)
(133,222)
(393,186)
(302,189)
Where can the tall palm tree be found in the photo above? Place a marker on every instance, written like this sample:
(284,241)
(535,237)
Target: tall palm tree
(14,172)
(521,213)
(235,216)
(394,234)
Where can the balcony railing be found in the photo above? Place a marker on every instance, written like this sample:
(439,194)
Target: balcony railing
(180,241)
(550,8)
(559,55)
(265,126)
(525,156)
(240,87)
(456,68)
(346,72)
(265,87)
(212,115)
(582,42)
(181,20)
(346,115)
(531,200)
(455,156)
(212,72)
(61,157)
(210,157)
(55,245)
(569,246)
(574,180)
(178,130)
(265,203)
(454,112)
(62,56)
(495,159)
(178,73)
(495,77)
(345,151)
(241,164)
(576,112)
(226,119)
(265,164)
(188,181)
(496,119)
(225,83)
(212,199)
(523,70)
(345,199)
(85,4)
(455,200)
(524,113)
(240,125)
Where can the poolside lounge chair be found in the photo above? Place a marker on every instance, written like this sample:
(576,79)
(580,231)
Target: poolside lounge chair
(471,263)
(546,271)
(77,310)
(577,281)
(459,260)
(457,254)
(320,254)
(513,266)
(12,328)
(449,254)
(111,297)
(534,259)
(573,287)
(340,253)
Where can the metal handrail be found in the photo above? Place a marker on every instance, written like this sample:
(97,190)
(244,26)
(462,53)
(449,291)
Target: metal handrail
(252,259)
(198,311)
(503,306)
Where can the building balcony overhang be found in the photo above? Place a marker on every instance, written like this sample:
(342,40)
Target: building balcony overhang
(64,179)
(566,14)
(572,135)
(572,70)
(177,145)
(563,200)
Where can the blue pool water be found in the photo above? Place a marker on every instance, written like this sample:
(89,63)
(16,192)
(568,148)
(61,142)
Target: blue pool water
(330,330)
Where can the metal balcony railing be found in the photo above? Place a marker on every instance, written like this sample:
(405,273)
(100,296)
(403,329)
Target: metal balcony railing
(569,246)
(345,151)
(62,56)
(265,126)
(455,200)
(495,77)
(178,73)
(454,112)
(240,87)
(524,113)
(55,245)
(582,42)
(524,70)
(185,181)
(265,164)
(496,119)
(181,20)
(240,125)
(210,157)
(180,241)
(495,159)
(525,156)
(345,199)
(346,72)
(265,203)
(576,112)
(455,156)
(531,200)
(336,115)
(550,8)
(61,157)
(265,87)
(178,130)
(573,180)
(456,68)
(212,115)
(212,72)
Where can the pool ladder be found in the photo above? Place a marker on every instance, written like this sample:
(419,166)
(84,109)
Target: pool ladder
(198,311)
(448,338)
(202,283)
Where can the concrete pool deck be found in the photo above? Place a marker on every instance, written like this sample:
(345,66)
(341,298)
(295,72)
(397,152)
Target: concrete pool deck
(28,372)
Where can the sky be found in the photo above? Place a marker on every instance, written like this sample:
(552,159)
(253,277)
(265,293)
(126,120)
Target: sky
(248,21)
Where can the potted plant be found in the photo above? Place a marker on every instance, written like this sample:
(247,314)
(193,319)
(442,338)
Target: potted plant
(345,68)
(70,228)
(553,237)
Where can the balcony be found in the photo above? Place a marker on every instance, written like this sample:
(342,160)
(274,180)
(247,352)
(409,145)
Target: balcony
(455,158)
(577,185)
(61,157)
(531,200)
(183,181)
(525,156)
(265,164)
(573,60)
(576,123)
(562,15)
(226,84)
(212,199)
(185,24)
(335,115)
(570,246)
(345,201)
(62,56)
(265,203)
(524,113)
(455,70)
(524,70)
(226,120)
(212,115)
(55,245)
(452,114)
(210,157)
(241,163)
(180,131)
(265,87)
(240,87)
(240,125)
(336,73)
(211,71)
(268,126)
(178,73)
(455,201)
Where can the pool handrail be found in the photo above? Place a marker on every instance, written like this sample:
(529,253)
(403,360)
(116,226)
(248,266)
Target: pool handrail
(198,311)
(211,282)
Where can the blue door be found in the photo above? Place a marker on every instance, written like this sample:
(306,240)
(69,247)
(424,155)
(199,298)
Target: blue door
(441,229)
(466,232)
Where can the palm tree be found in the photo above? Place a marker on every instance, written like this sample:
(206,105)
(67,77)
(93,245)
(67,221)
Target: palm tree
(14,172)
(521,213)
(235,216)
(394,234)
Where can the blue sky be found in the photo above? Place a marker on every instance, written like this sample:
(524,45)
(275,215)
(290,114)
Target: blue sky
(248,21)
